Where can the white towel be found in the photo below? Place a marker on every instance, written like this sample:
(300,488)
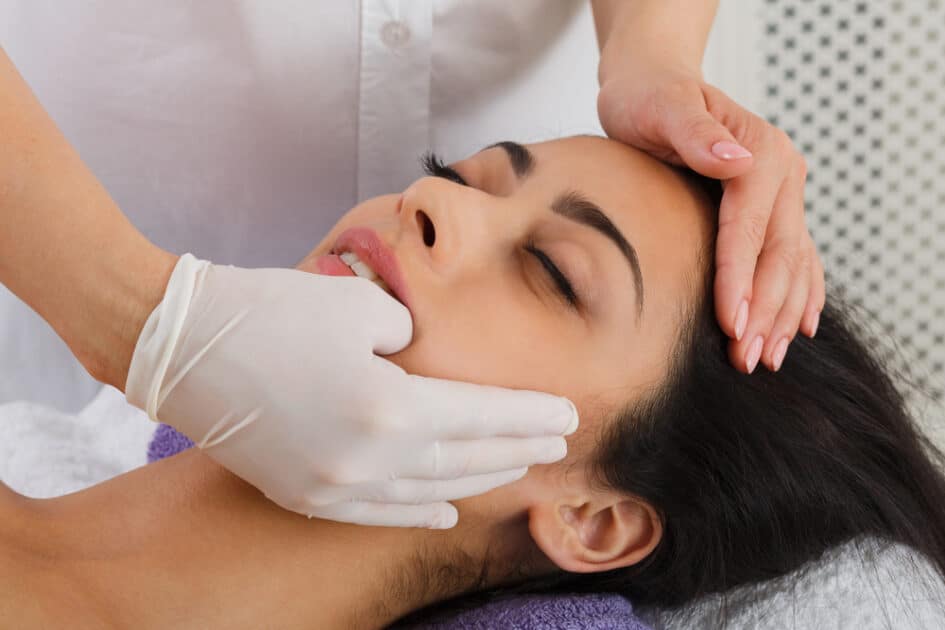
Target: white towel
(863,585)
(45,452)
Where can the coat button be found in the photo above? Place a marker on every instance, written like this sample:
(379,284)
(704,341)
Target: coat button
(395,34)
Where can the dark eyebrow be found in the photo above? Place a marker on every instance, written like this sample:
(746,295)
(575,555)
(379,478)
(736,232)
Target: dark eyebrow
(520,157)
(574,206)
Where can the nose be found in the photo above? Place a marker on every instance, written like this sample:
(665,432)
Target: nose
(435,214)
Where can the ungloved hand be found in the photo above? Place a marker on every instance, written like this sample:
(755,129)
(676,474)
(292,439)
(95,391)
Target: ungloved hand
(273,373)
(769,278)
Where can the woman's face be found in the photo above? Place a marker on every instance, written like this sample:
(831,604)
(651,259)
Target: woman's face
(562,267)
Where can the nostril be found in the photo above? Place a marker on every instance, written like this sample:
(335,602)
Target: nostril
(426,227)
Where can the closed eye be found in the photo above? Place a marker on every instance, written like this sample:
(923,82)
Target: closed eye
(434,166)
(564,286)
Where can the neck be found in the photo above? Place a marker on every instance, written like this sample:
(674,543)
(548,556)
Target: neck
(183,543)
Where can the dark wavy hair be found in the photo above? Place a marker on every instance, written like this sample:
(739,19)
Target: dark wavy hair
(755,475)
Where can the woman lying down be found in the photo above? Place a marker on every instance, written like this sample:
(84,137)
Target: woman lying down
(579,267)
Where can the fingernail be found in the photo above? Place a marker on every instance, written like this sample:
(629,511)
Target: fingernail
(754,353)
(572,414)
(741,319)
(779,351)
(726,150)
(813,328)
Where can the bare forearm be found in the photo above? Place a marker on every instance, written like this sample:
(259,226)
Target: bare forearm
(670,30)
(66,249)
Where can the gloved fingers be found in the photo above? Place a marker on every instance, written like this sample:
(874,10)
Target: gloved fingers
(416,491)
(393,325)
(456,459)
(429,515)
(457,411)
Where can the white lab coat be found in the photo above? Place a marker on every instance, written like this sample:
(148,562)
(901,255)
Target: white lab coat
(240,130)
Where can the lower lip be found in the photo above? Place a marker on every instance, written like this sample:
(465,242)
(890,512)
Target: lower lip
(332,265)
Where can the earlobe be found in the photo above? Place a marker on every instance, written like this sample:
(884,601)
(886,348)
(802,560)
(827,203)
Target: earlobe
(585,535)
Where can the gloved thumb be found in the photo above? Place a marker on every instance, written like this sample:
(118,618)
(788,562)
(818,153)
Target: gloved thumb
(703,143)
(391,325)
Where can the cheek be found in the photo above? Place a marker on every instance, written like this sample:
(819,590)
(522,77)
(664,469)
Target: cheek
(497,334)
(485,333)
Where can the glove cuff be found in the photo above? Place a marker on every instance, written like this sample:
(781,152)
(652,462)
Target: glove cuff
(159,336)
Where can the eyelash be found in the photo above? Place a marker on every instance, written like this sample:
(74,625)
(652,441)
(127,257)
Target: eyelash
(434,166)
(561,281)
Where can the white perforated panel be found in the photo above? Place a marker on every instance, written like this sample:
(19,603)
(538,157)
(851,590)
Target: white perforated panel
(860,87)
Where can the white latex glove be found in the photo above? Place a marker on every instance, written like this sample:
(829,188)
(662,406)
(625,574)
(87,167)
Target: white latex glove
(273,373)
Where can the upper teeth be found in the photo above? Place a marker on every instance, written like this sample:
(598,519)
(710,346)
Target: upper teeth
(362,270)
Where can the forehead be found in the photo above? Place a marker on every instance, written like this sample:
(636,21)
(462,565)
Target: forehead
(666,219)
(623,180)
(629,184)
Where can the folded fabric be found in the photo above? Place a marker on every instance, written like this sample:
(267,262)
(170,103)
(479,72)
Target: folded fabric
(46,452)
(561,611)
(865,584)
(167,442)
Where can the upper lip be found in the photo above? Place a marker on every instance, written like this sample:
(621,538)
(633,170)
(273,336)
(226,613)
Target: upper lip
(368,246)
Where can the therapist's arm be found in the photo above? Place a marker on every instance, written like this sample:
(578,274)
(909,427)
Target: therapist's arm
(675,31)
(769,280)
(65,247)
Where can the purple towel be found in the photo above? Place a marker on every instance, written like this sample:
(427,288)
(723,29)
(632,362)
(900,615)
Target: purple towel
(167,442)
(565,611)
(517,612)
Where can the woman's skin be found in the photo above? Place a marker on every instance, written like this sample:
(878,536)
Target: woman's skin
(184,543)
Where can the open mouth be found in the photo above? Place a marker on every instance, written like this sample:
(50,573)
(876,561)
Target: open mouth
(363,270)
(363,253)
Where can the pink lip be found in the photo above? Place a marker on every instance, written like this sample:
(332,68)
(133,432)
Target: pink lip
(332,265)
(368,246)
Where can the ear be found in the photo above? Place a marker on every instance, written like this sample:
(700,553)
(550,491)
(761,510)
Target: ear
(590,535)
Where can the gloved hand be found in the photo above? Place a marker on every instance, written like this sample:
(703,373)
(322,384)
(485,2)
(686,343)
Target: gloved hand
(273,373)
